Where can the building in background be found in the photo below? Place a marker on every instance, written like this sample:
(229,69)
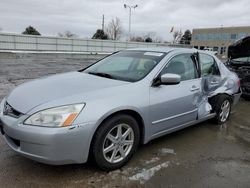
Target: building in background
(218,39)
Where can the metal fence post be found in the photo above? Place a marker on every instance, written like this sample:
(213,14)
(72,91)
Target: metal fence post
(36,43)
(14,39)
(87,45)
(56,44)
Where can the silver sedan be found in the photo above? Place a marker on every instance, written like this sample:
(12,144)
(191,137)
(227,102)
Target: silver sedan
(107,109)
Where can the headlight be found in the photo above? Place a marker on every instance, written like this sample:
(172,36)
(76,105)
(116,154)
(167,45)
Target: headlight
(55,117)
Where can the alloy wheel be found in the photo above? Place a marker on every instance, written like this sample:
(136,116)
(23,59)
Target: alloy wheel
(118,143)
(225,110)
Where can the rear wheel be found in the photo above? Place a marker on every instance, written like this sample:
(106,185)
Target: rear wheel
(115,142)
(222,107)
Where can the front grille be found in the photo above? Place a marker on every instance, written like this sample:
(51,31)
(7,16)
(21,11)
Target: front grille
(8,110)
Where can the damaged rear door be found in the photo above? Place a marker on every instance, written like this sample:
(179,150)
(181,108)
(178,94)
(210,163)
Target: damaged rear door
(210,81)
(210,73)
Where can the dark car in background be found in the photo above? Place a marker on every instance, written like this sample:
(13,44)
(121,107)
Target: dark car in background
(239,62)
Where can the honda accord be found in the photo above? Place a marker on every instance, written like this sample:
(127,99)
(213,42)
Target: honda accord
(105,111)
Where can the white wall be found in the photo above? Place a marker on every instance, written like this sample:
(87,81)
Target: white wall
(42,43)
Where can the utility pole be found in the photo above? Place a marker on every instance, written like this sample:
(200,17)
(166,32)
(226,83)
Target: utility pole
(103,22)
(130,10)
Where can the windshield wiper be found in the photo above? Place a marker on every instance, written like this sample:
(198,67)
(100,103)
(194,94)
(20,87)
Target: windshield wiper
(102,74)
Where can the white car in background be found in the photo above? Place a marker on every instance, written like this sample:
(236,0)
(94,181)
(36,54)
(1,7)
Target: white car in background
(211,50)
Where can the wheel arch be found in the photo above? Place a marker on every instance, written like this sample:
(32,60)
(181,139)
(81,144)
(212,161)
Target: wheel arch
(219,94)
(131,112)
(213,99)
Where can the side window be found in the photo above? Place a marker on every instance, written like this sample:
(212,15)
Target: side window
(182,65)
(208,65)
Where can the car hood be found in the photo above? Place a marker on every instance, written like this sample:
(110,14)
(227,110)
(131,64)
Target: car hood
(241,48)
(32,94)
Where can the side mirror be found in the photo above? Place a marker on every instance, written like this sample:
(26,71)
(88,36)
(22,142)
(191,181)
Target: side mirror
(170,79)
(167,79)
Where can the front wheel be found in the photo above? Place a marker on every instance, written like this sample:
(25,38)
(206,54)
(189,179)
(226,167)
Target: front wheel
(115,142)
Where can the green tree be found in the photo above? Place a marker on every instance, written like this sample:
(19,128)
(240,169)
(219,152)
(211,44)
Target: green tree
(148,39)
(186,38)
(31,31)
(100,34)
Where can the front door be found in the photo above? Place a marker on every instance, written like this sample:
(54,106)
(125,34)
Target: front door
(174,105)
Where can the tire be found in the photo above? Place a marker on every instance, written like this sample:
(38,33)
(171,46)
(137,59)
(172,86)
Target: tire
(219,103)
(121,146)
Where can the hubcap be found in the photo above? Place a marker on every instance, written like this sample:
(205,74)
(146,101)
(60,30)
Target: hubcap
(225,110)
(118,143)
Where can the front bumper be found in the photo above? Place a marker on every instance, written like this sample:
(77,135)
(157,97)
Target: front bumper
(54,146)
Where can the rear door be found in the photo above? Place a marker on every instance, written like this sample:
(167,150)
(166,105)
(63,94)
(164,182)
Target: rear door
(175,105)
(209,72)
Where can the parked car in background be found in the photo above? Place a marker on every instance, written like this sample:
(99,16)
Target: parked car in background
(107,109)
(211,50)
(239,62)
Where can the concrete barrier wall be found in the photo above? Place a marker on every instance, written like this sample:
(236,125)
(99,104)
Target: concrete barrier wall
(42,43)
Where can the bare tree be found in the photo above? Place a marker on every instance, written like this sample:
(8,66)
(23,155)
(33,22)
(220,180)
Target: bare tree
(67,34)
(148,37)
(158,39)
(175,35)
(137,39)
(114,29)
(179,37)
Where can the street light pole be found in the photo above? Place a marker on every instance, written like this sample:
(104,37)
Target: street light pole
(130,10)
(129,29)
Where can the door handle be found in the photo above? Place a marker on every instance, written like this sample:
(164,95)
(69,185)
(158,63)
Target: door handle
(194,88)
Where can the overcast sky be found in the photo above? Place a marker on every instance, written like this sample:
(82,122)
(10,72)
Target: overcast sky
(83,17)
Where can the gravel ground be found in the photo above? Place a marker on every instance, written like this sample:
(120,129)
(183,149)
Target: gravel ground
(205,155)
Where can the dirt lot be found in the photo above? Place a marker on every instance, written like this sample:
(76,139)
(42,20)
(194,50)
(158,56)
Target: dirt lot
(205,155)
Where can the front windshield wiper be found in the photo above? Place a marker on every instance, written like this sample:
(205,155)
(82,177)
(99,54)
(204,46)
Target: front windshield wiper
(106,75)
(102,74)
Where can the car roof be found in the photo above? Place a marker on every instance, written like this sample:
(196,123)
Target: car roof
(164,49)
(170,49)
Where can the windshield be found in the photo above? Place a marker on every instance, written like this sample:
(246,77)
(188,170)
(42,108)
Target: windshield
(129,66)
(242,60)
